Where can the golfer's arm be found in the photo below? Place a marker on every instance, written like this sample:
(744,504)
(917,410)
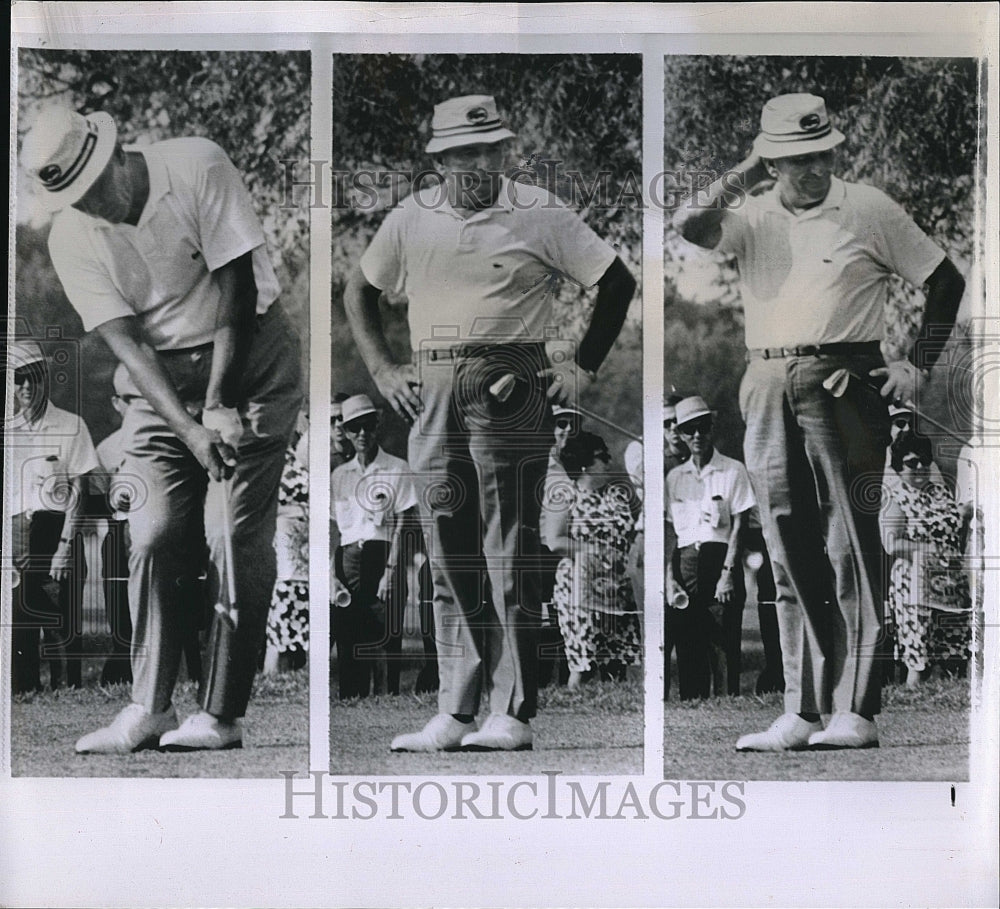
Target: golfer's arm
(234,327)
(699,220)
(361,305)
(944,289)
(614,294)
(123,337)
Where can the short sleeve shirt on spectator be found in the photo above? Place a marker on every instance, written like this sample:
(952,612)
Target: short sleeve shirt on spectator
(490,276)
(45,456)
(364,498)
(198,217)
(690,492)
(822,275)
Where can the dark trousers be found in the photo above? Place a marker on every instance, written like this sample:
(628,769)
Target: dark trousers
(708,635)
(368,631)
(40,603)
(114,580)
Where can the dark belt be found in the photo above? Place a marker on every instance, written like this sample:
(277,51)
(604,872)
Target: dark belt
(470,351)
(842,348)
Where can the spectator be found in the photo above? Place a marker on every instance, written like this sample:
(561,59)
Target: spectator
(921,528)
(52,453)
(370,495)
(593,592)
(675,453)
(288,620)
(772,676)
(557,496)
(115,491)
(708,497)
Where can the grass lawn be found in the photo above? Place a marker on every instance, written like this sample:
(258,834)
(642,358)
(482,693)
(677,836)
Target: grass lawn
(923,733)
(596,730)
(45,727)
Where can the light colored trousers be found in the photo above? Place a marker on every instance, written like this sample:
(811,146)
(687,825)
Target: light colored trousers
(176,522)
(816,465)
(479,467)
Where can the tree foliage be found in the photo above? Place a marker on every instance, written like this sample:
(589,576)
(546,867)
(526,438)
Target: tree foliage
(254,105)
(912,128)
(577,113)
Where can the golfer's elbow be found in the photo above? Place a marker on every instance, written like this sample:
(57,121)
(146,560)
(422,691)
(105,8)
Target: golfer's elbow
(700,226)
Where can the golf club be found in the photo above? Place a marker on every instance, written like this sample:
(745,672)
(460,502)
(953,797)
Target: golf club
(838,381)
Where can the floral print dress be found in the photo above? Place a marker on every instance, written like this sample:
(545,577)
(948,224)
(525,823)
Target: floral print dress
(288,620)
(593,592)
(929,592)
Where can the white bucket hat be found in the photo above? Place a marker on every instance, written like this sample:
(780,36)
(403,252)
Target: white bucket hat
(357,406)
(24,353)
(795,124)
(468,120)
(691,409)
(65,152)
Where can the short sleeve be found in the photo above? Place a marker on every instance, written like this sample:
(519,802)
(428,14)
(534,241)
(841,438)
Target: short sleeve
(743,497)
(904,248)
(85,279)
(382,263)
(573,247)
(79,453)
(228,226)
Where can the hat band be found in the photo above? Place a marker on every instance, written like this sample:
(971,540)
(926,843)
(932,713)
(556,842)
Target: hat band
(61,179)
(799,136)
(488,126)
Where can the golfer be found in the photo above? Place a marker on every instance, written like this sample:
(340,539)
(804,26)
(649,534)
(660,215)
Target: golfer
(161,253)
(476,256)
(815,256)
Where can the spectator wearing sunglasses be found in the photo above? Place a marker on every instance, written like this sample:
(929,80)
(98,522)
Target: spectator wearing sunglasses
(52,452)
(594,597)
(708,497)
(675,453)
(921,527)
(370,494)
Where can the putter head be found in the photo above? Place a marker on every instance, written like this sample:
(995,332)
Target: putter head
(836,383)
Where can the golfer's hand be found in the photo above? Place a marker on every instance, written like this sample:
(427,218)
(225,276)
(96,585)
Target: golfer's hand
(400,386)
(724,589)
(226,421)
(566,382)
(62,562)
(212,453)
(903,381)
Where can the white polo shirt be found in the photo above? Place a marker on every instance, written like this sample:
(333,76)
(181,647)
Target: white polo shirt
(689,498)
(198,217)
(45,456)
(822,275)
(365,497)
(491,276)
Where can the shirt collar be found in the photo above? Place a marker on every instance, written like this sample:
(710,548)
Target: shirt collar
(504,202)
(834,199)
(714,463)
(377,462)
